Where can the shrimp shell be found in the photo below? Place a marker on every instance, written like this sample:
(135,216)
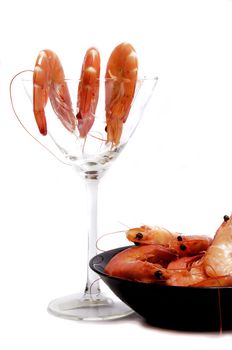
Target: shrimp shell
(49,82)
(88,91)
(140,263)
(121,77)
(218,258)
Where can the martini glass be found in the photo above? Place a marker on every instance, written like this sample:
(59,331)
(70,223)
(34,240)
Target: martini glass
(91,157)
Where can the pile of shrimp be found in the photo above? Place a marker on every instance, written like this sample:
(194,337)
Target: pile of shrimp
(120,83)
(160,256)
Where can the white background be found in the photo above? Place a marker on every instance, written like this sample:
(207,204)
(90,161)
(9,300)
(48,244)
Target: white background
(176,172)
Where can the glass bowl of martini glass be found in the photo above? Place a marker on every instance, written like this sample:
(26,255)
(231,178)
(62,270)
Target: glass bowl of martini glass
(85,123)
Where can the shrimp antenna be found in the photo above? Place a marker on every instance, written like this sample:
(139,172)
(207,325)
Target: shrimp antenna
(16,115)
(91,286)
(219,299)
(220,310)
(104,235)
(98,138)
(121,223)
(215,276)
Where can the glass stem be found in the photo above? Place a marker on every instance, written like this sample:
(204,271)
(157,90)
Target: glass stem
(92,284)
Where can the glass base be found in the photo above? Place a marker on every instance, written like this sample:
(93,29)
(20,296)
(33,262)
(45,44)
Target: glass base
(88,307)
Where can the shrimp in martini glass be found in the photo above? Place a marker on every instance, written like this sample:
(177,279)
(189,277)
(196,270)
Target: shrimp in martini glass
(85,122)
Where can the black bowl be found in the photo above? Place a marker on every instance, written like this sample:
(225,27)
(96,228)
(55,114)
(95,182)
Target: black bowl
(179,308)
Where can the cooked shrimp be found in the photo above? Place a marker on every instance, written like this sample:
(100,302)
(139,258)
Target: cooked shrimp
(210,266)
(88,91)
(185,271)
(149,235)
(140,263)
(152,264)
(218,258)
(190,245)
(49,82)
(121,77)
(186,278)
(215,266)
(184,245)
(184,263)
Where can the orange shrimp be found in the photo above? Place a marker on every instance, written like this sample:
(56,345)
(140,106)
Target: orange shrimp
(183,245)
(190,245)
(49,82)
(88,91)
(218,258)
(184,263)
(211,267)
(140,263)
(186,278)
(149,235)
(215,266)
(121,77)
(185,271)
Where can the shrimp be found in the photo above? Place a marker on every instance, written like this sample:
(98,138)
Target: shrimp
(140,263)
(121,77)
(190,245)
(155,263)
(149,235)
(186,278)
(185,271)
(218,258)
(183,245)
(49,82)
(173,262)
(88,91)
(215,266)
(183,263)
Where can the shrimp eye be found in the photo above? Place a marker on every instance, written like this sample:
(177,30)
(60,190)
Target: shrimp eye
(139,235)
(158,275)
(106,129)
(179,238)
(183,247)
(226,218)
(79,116)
